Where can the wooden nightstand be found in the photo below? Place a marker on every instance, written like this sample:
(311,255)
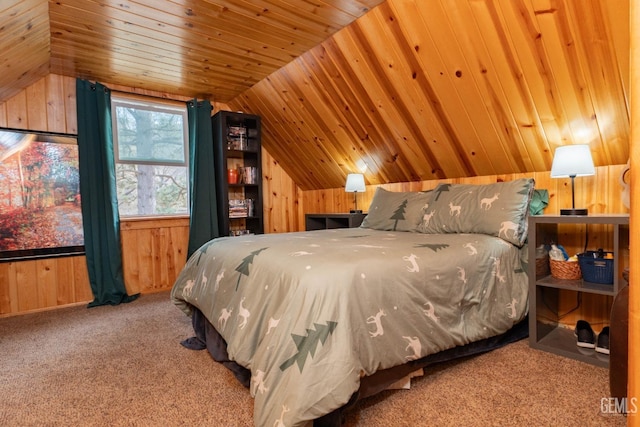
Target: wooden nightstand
(322,221)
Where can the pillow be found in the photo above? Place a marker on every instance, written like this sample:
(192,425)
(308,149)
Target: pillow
(500,209)
(396,210)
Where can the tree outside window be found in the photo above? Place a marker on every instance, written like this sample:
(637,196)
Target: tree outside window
(150,143)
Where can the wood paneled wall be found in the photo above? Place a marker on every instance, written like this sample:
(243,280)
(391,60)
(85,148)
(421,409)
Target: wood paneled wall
(282,209)
(47,105)
(39,284)
(600,193)
(154,250)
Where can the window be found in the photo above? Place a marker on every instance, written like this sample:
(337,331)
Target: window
(151,156)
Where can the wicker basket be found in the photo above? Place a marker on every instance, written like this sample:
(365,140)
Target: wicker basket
(566,270)
(542,266)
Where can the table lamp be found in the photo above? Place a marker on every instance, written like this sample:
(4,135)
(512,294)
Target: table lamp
(570,161)
(355,184)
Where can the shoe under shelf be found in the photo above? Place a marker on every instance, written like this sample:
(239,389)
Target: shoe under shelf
(562,341)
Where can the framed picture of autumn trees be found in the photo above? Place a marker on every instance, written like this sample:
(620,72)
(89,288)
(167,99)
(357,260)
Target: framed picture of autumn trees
(40,213)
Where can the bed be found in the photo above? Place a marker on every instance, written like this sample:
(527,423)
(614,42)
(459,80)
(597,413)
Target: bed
(307,319)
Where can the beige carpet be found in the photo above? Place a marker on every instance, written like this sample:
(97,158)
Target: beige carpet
(124,366)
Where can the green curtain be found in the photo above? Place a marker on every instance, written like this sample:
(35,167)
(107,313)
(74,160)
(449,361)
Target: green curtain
(100,218)
(203,224)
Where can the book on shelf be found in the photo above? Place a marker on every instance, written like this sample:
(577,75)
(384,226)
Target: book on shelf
(237,138)
(240,208)
(248,175)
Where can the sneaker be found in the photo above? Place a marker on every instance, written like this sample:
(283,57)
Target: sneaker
(586,338)
(603,341)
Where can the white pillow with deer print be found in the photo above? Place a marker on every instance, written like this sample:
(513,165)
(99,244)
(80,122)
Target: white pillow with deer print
(500,209)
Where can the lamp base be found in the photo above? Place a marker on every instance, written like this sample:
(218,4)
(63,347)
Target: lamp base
(581,212)
(354,211)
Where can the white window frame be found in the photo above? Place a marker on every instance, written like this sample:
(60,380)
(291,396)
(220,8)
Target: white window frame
(155,105)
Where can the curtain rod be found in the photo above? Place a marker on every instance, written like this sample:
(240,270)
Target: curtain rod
(156,98)
(143,96)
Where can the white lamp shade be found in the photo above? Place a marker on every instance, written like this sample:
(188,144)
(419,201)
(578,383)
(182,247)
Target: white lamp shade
(572,160)
(355,183)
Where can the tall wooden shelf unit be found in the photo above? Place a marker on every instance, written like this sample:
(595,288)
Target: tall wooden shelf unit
(237,146)
(544,290)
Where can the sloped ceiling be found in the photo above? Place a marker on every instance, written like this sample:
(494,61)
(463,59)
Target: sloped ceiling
(418,90)
(413,89)
(206,48)
(24,44)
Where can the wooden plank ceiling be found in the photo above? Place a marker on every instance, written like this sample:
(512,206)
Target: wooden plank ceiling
(413,89)
(420,90)
(24,44)
(206,48)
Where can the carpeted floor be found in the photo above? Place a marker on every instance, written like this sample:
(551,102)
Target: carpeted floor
(124,366)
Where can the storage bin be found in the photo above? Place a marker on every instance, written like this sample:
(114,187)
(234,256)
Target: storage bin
(596,269)
(542,266)
(566,270)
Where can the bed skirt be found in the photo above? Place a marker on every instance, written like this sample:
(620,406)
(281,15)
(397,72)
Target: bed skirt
(207,337)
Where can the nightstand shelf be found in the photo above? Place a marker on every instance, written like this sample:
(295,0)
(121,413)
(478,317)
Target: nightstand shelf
(576,285)
(562,341)
(333,220)
(545,331)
